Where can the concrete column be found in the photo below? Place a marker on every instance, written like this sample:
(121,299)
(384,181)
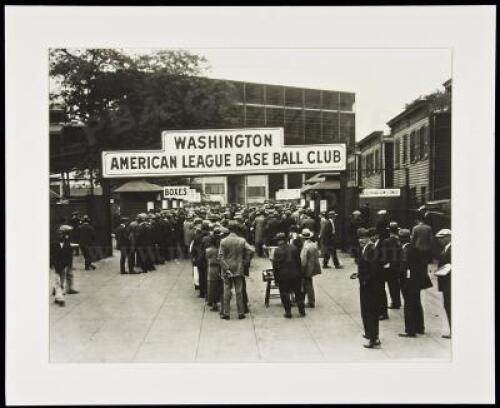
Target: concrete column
(225,190)
(267,187)
(285,180)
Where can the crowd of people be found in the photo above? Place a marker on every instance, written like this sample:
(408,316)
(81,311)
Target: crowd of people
(221,243)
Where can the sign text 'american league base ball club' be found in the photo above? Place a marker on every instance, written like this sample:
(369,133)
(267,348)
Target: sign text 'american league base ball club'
(227,151)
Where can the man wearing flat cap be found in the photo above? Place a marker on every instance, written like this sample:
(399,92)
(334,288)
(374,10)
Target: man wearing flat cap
(390,259)
(413,279)
(61,260)
(86,235)
(259,226)
(288,275)
(328,244)
(123,244)
(444,272)
(369,275)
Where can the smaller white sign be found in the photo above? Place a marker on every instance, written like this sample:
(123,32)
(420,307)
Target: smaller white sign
(323,206)
(302,202)
(164,204)
(175,191)
(193,197)
(381,192)
(174,203)
(288,194)
(150,205)
(311,205)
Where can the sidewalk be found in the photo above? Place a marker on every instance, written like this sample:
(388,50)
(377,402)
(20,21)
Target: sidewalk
(157,317)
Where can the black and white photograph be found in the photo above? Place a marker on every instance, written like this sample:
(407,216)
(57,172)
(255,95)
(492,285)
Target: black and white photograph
(251,203)
(198,218)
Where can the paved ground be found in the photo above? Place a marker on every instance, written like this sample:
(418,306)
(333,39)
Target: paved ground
(157,317)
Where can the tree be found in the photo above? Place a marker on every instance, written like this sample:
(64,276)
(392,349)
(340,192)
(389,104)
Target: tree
(126,100)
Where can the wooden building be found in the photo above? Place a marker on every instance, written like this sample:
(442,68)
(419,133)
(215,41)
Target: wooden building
(422,147)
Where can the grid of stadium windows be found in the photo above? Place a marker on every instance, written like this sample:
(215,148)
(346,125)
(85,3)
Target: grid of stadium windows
(308,116)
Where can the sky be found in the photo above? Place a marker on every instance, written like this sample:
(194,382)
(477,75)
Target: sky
(384,80)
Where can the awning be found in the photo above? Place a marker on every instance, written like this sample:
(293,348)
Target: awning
(140,186)
(317,178)
(326,185)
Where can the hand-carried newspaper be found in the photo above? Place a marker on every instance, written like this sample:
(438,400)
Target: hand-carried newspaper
(443,270)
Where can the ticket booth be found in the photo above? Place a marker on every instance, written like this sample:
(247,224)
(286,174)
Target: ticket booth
(138,196)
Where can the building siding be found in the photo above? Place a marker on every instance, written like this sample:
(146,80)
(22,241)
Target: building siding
(419,168)
(372,178)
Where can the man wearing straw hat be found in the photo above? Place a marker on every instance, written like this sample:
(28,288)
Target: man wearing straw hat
(309,257)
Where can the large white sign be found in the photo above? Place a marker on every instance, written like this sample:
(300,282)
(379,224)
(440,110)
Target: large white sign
(288,194)
(381,192)
(227,151)
(176,191)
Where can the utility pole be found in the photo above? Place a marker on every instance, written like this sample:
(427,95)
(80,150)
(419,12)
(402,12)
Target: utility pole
(407,195)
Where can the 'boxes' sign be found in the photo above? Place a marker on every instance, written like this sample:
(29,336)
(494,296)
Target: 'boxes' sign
(227,151)
(176,191)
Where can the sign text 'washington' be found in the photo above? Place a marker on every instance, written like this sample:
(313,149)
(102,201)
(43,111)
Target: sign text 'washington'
(227,151)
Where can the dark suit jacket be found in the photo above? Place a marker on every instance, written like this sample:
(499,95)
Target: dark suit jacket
(272,227)
(422,237)
(369,271)
(390,253)
(86,234)
(286,263)
(419,277)
(122,237)
(61,257)
(328,236)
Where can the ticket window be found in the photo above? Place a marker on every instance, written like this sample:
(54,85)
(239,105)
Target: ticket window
(256,188)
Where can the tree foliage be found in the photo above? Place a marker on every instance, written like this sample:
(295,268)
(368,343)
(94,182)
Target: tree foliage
(126,100)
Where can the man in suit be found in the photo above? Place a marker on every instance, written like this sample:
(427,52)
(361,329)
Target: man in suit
(187,233)
(258,225)
(86,235)
(61,259)
(143,243)
(288,275)
(272,228)
(391,252)
(422,240)
(123,244)
(75,223)
(369,275)
(234,253)
(413,280)
(309,259)
(444,281)
(328,243)
(198,256)
(355,223)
